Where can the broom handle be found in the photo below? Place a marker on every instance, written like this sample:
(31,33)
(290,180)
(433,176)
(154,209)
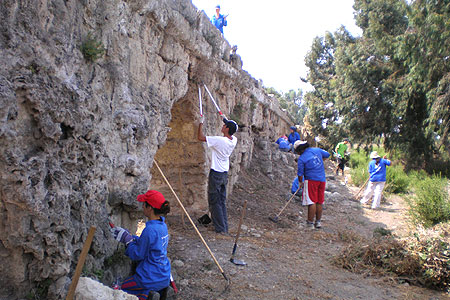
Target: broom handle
(357,194)
(239,227)
(190,220)
(288,202)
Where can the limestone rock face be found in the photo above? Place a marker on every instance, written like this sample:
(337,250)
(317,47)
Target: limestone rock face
(88,289)
(78,137)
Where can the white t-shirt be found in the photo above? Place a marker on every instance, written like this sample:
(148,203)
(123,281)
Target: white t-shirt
(221,147)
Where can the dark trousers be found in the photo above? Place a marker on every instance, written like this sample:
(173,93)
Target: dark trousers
(217,197)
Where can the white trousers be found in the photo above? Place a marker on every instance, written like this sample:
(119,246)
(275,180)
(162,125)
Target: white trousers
(374,189)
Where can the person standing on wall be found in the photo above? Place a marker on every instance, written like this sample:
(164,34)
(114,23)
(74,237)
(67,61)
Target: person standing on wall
(341,155)
(377,179)
(221,147)
(219,20)
(310,167)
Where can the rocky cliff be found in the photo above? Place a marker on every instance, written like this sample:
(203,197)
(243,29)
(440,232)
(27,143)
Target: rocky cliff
(91,92)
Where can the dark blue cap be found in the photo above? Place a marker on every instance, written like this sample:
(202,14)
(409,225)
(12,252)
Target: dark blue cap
(231,125)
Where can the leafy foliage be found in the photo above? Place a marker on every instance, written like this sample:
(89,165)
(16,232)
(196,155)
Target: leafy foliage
(431,204)
(392,84)
(291,102)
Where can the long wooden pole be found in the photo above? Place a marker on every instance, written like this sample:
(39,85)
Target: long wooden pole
(357,194)
(80,264)
(190,220)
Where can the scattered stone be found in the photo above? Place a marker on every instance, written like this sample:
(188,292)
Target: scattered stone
(177,263)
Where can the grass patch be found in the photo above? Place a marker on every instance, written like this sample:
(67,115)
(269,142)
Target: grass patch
(91,48)
(430,204)
(40,291)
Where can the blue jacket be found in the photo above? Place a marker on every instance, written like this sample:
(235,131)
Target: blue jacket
(295,136)
(219,22)
(294,187)
(283,144)
(310,164)
(150,249)
(378,173)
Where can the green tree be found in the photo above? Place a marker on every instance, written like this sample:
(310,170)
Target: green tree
(392,84)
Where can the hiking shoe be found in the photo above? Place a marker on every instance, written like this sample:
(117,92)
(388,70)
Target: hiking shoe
(309,225)
(318,224)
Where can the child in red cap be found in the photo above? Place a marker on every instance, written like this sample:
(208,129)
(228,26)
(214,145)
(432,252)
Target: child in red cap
(150,249)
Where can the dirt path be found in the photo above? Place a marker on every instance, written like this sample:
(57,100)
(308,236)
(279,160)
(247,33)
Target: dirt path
(286,260)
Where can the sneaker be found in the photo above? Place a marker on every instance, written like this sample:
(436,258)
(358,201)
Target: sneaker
(318,224)
(309,225)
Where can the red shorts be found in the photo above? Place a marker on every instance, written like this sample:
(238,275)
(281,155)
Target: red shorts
(313,192)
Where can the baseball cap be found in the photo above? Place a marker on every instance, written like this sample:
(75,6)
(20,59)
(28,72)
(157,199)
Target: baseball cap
(153,198)
(231,125)
(218,6)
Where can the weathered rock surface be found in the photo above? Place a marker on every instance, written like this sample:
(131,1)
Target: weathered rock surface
(78,138)
(88,289)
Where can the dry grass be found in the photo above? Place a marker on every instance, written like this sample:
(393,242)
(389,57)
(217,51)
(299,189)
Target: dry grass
(422,259)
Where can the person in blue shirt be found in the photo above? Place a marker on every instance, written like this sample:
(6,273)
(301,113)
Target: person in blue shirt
(283,144)
(219,20)
(149,249)
(310,167)
(293,136)
(294,188)
(377,179)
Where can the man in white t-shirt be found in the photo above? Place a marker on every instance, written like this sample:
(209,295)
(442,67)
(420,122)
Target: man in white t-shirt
(222,147)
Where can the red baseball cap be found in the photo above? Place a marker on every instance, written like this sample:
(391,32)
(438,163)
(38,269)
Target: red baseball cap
(154,198)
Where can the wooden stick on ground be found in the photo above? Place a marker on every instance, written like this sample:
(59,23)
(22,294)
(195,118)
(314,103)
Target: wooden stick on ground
(80,264)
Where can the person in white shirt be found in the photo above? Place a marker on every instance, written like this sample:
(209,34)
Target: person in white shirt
(222,147)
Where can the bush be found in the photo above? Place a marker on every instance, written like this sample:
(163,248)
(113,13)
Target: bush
(430,204)
(397,181)
(359,161)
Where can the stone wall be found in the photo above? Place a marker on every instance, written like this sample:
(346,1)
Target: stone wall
(78,137)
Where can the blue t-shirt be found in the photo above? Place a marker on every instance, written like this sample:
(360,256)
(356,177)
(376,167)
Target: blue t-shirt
(310,164)
(219,22)
(150,249)
(378,173)
(283,144)
(295,136)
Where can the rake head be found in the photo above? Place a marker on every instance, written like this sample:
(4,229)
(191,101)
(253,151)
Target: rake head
(274,219)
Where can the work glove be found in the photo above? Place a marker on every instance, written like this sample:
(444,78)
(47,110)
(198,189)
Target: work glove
(122,235)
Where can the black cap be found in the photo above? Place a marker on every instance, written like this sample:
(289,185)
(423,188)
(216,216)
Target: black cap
(231,125)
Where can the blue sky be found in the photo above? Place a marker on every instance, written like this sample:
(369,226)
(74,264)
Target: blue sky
(273,37)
